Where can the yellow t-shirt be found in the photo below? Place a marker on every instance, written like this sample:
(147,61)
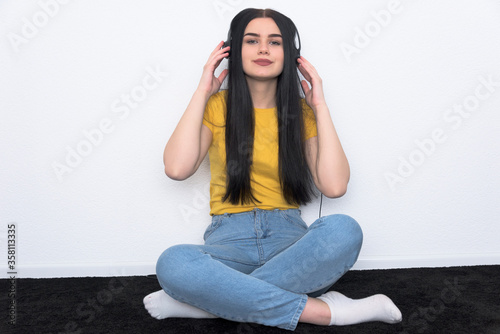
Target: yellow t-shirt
(264,173)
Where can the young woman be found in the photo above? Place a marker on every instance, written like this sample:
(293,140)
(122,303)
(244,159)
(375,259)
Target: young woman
(260,262)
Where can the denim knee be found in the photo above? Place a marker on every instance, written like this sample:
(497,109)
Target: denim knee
(171,269)
(345,227)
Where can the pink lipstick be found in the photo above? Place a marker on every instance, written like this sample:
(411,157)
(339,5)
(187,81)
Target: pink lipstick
(263,62)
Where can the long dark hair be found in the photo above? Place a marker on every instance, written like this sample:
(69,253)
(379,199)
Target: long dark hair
(295,177)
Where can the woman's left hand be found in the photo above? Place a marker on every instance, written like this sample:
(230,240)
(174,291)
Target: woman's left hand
(314,96)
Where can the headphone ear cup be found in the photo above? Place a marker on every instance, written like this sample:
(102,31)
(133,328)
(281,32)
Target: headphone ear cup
(298,45)
(297,55)
(226,44)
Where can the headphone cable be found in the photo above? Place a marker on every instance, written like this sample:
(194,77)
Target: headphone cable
(320,205)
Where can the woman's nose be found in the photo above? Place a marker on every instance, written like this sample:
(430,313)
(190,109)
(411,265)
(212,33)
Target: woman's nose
(263,49)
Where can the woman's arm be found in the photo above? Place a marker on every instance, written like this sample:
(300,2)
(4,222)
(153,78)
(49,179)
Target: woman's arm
(325,156)
(189,143)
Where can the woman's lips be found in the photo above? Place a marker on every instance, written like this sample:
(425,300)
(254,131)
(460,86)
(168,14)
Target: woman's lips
(263,62)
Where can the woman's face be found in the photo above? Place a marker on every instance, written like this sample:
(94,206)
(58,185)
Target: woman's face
(262,50)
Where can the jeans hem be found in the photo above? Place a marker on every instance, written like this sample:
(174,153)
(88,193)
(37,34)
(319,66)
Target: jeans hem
(295,319)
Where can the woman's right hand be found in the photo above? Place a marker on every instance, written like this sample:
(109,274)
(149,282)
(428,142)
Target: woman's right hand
(209,83)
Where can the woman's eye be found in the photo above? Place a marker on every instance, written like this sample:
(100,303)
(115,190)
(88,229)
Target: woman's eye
(254,41)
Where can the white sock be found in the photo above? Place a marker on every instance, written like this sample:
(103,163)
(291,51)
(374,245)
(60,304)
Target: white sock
(347,311)
(161,306)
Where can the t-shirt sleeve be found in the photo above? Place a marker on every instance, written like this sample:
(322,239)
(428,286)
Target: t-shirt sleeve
(214,110)
(309,121)
(208,115)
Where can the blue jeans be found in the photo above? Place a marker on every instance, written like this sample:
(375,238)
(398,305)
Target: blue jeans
(260,266)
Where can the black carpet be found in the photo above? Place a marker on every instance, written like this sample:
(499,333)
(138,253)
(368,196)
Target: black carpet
(432,300)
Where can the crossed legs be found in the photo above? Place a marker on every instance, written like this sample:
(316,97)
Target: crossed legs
(201,281)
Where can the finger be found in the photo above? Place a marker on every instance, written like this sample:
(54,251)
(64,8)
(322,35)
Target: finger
(215,60)
(223,75)
(214,52)
(220,58)
(220,54)
(218,50)
(305,73)
(226,51)
(305,86)
(219,46)
(305,62)
(309,68)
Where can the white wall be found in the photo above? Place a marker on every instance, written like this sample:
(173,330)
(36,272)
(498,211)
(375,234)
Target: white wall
(67,69)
